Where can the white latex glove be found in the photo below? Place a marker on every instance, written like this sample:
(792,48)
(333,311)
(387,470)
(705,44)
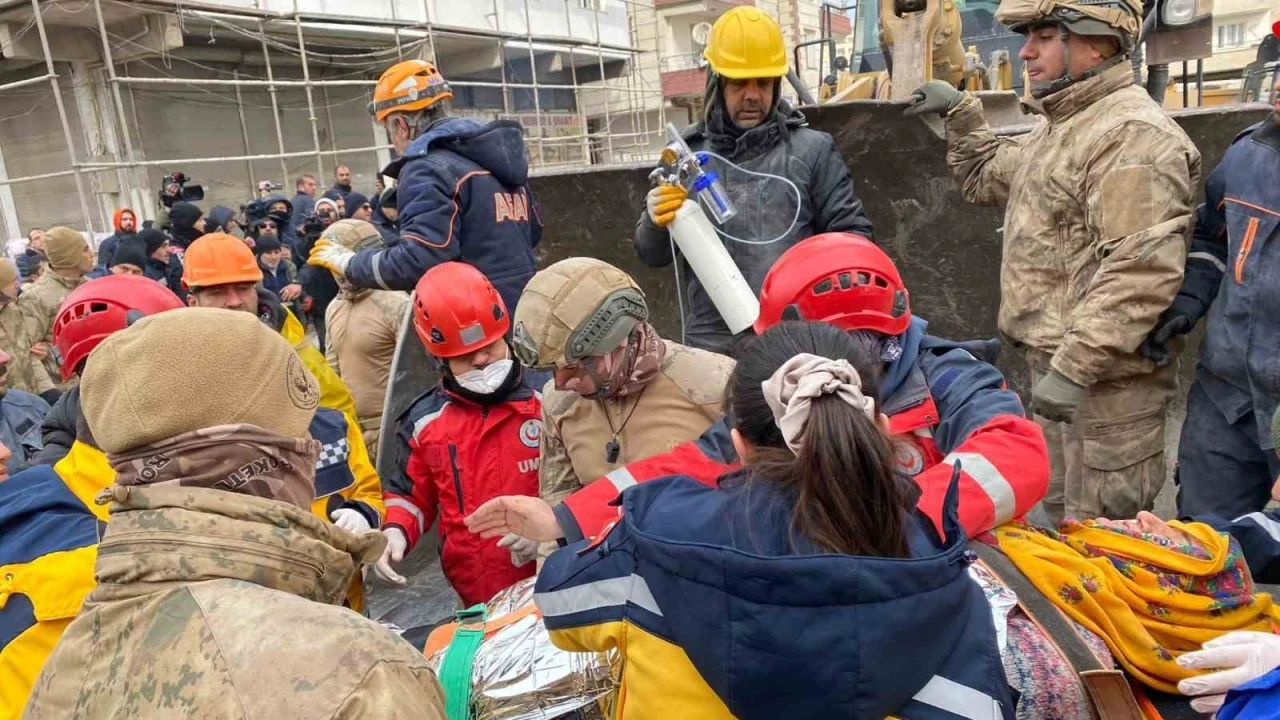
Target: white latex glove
(350,520)
(397,543)
(1238,657)
(523,550)
(331,256)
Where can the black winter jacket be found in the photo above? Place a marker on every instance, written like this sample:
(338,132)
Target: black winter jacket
(783,146)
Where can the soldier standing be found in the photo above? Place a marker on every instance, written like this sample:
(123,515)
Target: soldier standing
(1098,203)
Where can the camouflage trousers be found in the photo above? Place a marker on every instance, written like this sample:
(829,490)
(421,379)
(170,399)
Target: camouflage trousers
(1109,462)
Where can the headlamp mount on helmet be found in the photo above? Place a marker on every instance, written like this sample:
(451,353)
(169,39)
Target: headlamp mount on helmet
(526,349)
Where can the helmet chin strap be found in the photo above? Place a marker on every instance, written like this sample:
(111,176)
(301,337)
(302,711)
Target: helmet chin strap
(1041,90)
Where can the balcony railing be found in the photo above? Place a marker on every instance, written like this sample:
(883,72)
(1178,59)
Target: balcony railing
(685,61)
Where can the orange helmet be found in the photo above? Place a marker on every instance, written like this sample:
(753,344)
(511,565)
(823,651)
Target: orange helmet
(408,86)
(219,259)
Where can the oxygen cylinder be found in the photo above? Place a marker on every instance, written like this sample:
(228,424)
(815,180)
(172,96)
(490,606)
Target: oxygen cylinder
(717,272)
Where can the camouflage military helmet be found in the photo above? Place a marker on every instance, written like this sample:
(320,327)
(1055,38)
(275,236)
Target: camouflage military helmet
(575,309)
(1120,19)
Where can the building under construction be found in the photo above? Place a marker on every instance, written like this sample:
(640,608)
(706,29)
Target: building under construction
(233,92)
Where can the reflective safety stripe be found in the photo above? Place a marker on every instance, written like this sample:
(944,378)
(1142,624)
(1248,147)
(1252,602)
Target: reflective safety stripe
(959,699)
(425,420)
(1271,526)
(990,480)
(411,509)
(1208,257)
(621,478)
(596,595)
(376,266)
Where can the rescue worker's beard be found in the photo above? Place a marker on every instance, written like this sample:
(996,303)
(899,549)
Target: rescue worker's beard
(270,264)
(503,391)
(628,368)
(716,116)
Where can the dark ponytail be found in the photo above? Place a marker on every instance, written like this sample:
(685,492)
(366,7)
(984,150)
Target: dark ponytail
(850,498)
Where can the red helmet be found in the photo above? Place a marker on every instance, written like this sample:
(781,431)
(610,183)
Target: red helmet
(838,278)
(456,310)
(98,308)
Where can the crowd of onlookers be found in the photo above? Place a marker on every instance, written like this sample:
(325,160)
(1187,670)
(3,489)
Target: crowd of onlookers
(280,231)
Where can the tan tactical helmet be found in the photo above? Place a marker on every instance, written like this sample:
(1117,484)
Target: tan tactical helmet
(577,308)
(1120,19)
(353,234)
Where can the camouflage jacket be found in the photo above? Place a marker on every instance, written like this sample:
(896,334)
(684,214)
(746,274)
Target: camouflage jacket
(1099,201)
(42,300)
(216,605)
(25,372)
(40,304)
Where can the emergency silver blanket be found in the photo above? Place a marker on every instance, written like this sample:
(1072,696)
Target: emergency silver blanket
(519,675)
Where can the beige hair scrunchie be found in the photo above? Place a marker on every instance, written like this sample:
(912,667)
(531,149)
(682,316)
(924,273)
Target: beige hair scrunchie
(792,388)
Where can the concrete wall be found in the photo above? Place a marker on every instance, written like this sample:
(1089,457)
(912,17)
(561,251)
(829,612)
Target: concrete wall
(33,144)
(948,251)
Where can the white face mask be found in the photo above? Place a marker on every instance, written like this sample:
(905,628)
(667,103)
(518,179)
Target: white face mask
(488,379)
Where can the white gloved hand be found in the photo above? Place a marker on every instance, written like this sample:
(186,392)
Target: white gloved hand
(397,543)
(1238,657)
(350,520)
(523,550)
(331,256)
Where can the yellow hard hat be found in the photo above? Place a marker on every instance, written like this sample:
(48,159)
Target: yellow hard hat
(746,43)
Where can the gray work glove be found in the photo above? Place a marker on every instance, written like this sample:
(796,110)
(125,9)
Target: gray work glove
(1055,397)
(936,96)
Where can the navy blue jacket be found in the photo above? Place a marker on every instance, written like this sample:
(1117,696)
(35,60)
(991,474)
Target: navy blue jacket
(38,516)
(1233,271)
(462,195)
(390,231)
(303,205)
(21,415)
(168,274)
(1259,536)
(775,627)
(280,278)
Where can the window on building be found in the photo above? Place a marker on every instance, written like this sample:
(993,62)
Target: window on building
(1231,35)
(589,4)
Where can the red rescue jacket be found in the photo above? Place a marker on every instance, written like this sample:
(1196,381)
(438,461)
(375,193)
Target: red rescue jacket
(462,454)
(950,407)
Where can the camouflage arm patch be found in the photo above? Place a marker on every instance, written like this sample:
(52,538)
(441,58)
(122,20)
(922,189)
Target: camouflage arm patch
(556,476)
(1128,202)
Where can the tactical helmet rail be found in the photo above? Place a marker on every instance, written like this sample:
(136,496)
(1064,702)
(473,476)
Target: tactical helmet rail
(576,309)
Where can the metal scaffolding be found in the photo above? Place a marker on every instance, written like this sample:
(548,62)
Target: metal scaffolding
(604,118)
